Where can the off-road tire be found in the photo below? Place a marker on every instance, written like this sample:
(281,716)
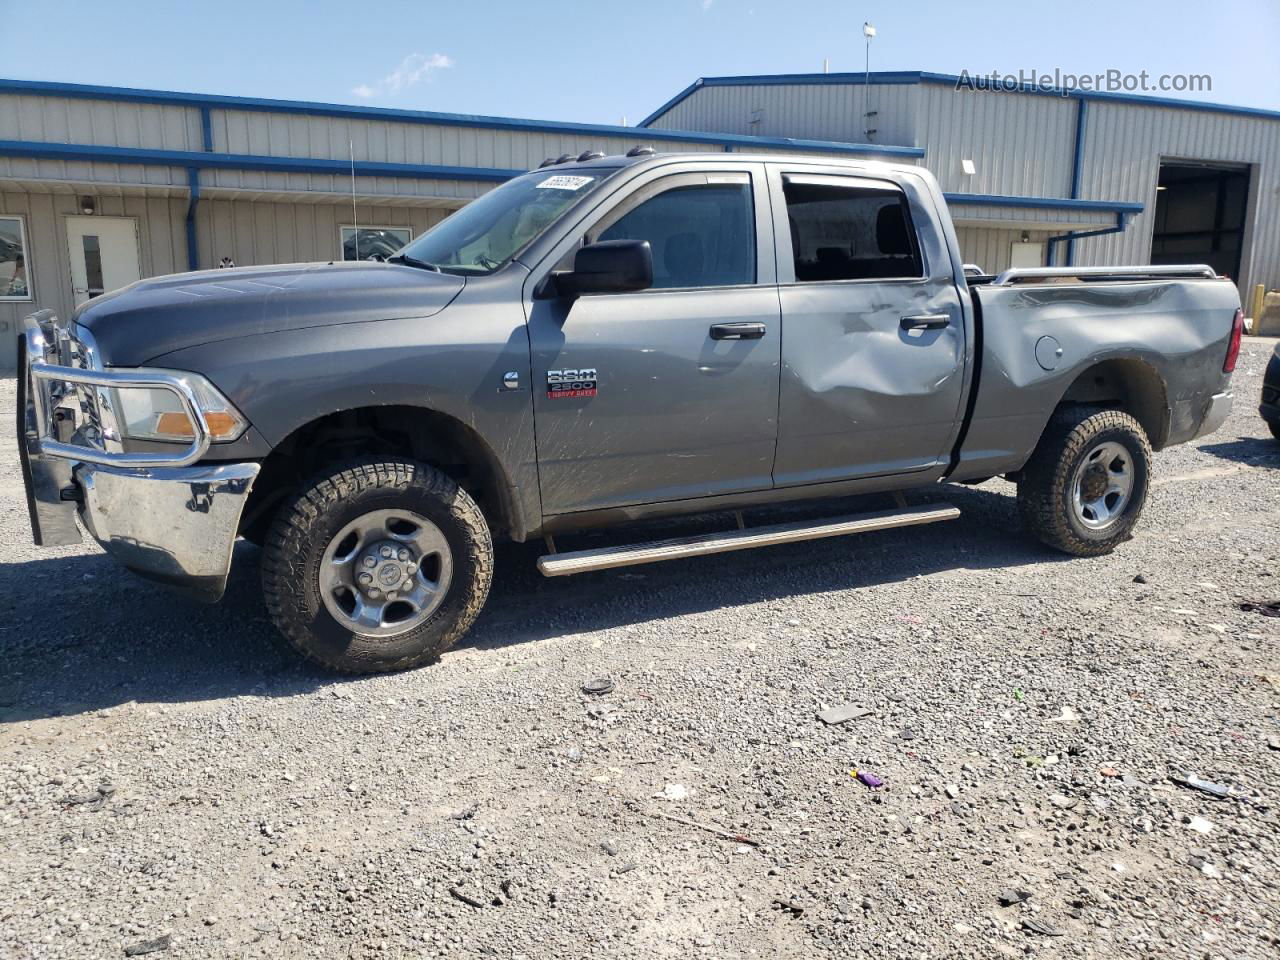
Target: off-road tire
(1274,426)
(1045,486)
(304,525)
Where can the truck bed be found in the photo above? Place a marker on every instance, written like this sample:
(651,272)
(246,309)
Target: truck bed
(1048,333)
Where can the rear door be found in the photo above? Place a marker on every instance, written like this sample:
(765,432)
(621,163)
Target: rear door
(874,347)
(639,397)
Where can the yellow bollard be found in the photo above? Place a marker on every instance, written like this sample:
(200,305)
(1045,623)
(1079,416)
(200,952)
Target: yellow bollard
(1255,307)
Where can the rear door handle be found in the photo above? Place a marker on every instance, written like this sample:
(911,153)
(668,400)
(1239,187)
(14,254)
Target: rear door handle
(737,331)
(926,321)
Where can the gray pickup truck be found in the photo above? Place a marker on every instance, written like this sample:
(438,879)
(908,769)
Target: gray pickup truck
(599,341)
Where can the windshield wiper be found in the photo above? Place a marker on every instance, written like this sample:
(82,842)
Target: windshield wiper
(409,261)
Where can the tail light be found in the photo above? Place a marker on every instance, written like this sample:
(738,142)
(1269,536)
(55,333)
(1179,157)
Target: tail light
(1233,348)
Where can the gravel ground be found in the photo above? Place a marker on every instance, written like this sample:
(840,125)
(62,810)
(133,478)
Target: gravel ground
(167,770)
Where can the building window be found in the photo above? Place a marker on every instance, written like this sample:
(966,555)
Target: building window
(850,233)
(15,268)
(372,243)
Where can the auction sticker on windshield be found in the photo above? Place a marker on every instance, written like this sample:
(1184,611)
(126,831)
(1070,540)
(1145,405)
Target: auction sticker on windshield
(564,182)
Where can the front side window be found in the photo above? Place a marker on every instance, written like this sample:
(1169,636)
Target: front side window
(490,231)
(15,282)
(373,243)
(701,235)
(850,232)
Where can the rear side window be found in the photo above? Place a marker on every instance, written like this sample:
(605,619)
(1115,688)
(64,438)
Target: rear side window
(702,235)
(850,233)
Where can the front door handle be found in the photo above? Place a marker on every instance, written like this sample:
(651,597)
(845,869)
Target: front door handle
(737,331)
(926,321)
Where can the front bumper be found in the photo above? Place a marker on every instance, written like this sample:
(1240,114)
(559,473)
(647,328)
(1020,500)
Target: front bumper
(1216,414)
(174,525)
(164,518)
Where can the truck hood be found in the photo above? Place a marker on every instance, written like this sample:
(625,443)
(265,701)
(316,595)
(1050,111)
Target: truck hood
(157,316)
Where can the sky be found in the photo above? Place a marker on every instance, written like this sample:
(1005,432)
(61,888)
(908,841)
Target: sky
(603,61)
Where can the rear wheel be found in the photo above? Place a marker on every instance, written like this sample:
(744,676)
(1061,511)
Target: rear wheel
(1084,487)
(379,565)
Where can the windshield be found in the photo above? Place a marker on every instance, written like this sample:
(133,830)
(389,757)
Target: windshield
(492,229)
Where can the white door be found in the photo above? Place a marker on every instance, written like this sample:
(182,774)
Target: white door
(1026,254)
(104,254)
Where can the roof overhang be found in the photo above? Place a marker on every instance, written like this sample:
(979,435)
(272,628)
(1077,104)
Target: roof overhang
(1036,213)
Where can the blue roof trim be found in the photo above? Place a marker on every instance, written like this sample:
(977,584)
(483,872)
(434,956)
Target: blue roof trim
(213,101)
(195,159)
(920,76)
(1044,203)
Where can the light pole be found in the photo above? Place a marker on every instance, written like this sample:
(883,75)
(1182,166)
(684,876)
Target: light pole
(868,31)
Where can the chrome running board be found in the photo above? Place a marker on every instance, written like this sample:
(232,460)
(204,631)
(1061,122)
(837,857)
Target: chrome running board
(604,558)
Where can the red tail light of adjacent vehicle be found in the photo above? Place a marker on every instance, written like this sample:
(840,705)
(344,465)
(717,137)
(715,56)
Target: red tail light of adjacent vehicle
(1233,348)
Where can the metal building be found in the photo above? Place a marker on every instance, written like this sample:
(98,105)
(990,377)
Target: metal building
(100,186)
(1133,179)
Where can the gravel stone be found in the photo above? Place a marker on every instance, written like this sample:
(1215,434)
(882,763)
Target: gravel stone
(968,633)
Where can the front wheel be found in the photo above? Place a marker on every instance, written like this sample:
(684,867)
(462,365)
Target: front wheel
(1275,428)
(1084,487)
(379,565)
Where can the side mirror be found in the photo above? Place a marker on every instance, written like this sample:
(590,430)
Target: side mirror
(608,266)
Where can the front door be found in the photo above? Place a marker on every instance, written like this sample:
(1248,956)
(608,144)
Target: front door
(637,398)
(873,349)
(104,254)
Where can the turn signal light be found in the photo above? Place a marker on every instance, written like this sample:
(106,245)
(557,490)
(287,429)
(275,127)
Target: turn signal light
(177,425)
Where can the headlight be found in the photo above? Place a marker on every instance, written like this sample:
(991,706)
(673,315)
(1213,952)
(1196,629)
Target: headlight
(147,414)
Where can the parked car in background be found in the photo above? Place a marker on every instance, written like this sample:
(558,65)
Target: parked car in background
(598,341)
(1270,408)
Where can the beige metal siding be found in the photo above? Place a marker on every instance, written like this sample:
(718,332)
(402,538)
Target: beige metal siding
(1020,145)
(991,248)
(107,123)
(1124,144)
(162,249)
(814,112)
(390,141)
(257,233)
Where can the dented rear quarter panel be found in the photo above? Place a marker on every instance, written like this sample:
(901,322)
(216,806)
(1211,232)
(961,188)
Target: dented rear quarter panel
(1181,328)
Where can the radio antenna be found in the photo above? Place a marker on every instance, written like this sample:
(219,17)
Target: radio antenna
(355,223)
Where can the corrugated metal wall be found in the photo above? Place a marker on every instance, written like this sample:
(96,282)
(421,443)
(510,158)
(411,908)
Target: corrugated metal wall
(1021,146)
(818,112)
(107,123)
(253,233)
(389,141)
(161,242)
(990,249)
(254,217)
(1024,145)
(1124,144)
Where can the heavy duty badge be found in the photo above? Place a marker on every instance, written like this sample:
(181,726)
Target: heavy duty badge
(571,383)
